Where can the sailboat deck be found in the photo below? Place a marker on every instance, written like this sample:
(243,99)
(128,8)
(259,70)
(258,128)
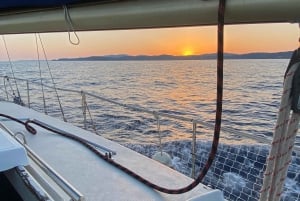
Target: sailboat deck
(93,177)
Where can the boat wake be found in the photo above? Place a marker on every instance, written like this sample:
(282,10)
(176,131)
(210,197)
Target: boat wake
(237,169)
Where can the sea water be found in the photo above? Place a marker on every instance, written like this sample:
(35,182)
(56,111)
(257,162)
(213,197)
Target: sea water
(252,91)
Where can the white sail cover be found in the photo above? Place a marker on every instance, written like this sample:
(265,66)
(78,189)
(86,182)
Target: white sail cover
(12,153)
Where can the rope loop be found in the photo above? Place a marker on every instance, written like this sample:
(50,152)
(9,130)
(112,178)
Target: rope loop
(70,27)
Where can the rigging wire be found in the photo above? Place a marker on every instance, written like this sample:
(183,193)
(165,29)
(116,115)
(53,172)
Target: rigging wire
(40,72)
(52,79)
(11,68)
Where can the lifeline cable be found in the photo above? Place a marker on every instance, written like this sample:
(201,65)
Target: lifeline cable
(52,79)
(11,67)
(40,73)
(217,129)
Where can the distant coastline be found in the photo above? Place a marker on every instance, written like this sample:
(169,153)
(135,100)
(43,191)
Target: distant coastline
(125,57)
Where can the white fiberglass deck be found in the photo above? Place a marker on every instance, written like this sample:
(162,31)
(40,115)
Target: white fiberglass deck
(12,154)
(93,177)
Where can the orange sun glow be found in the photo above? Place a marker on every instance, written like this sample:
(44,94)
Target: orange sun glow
(187,52)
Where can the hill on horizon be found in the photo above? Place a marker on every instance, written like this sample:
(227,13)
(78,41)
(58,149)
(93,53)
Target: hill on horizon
(125,57)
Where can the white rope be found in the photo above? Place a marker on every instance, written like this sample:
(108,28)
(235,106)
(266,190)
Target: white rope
(70,27)
(288,149)
(282,144)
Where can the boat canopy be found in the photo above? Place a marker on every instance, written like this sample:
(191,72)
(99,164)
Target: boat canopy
(34,16)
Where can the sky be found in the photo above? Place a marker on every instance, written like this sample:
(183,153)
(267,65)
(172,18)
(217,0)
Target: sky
(174,41)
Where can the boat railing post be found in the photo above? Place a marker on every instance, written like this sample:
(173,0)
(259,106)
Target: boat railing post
(85,110)
(83,101)
(194,137)
(4,78)
(157,117)
(28,96)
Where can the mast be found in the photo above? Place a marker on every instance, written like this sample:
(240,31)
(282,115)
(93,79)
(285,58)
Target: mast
(134,14)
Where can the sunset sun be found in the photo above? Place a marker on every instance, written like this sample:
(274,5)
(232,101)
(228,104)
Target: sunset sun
(187,52)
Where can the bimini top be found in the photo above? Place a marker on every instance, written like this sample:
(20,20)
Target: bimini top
(12,153)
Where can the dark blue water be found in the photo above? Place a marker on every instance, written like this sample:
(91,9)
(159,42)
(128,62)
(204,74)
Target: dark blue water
(252,90)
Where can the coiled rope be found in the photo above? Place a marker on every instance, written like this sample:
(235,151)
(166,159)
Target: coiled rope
(70,27)
(217,128)
(283,141)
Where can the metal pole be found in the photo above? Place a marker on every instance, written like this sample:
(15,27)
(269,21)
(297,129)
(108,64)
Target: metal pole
(28,97)
(194,149)
(83,104)
(5,88)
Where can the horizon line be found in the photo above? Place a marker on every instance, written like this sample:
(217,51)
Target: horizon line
(148,55)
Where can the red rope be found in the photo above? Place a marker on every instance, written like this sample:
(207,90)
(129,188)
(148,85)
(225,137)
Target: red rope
(29,128)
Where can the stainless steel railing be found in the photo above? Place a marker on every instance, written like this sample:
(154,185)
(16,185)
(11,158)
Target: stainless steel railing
(48,170)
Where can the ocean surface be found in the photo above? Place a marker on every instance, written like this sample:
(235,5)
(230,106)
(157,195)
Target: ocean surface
(252,91)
